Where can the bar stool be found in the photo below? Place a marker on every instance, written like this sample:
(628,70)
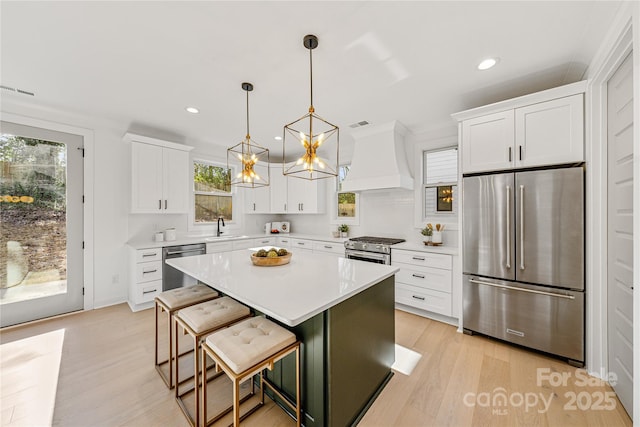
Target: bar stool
(170,302)
(244,350)
(198,321)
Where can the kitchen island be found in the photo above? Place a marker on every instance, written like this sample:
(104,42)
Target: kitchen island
(342,310)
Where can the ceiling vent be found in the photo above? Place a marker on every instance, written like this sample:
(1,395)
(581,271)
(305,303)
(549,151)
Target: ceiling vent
(12,89)
(359,124)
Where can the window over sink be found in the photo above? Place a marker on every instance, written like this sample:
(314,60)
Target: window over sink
(212,193)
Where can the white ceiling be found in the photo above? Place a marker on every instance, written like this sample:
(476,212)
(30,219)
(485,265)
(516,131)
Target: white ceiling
(139,64)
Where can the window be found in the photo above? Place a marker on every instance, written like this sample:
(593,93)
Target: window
(440,181)
(346,202)
(212,192)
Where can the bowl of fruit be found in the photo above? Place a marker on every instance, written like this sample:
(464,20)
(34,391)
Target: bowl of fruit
(271,257)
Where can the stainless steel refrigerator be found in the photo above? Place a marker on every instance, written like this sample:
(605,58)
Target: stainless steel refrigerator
(524,259)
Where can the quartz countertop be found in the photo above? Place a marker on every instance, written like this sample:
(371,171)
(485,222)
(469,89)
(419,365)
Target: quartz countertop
(209,238)
(421,247)
(290,293)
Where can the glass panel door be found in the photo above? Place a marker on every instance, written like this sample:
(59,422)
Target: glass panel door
(40,223)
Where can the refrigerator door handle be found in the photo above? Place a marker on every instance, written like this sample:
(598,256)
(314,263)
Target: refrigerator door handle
(522,227)
(508,265)
(513,288)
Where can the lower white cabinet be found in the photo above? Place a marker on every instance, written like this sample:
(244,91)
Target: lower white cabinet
(336,249)
(146,277)
(424,280)
(301,244)
(283,242)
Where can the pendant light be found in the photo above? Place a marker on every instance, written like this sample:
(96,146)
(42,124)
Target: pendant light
(311,141)
(251,157)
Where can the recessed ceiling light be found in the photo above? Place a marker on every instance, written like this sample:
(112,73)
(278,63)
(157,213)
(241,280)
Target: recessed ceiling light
(192,110)
(487,63)
(277,138)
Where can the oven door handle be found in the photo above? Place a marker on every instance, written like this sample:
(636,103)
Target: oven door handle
(371,255)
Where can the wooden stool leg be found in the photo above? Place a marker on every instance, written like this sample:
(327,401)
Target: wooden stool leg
(203,392)
(170,332)
(236,402)
(196,378)
(156,336)
(177,392)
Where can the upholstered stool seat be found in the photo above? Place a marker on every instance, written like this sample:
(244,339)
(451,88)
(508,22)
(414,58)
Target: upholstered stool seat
(246,349)
(198,321)
(169,302)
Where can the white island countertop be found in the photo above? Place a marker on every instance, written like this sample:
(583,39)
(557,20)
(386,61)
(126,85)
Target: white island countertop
(310,284)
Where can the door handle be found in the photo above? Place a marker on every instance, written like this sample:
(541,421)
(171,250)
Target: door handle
(520,152)
(522,227)
(531,291)
(149,271)
(508,265)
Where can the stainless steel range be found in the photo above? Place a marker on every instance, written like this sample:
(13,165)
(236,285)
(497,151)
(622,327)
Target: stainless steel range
(370,249)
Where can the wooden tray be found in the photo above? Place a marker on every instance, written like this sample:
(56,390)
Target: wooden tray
(270,262)
(432,244)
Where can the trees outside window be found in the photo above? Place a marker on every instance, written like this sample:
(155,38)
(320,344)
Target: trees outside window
(212,192)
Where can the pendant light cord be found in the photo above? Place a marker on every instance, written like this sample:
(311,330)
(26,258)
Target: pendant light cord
(248,115)
(311,74)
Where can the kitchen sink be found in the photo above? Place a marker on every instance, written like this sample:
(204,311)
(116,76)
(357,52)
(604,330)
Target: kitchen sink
(223,237)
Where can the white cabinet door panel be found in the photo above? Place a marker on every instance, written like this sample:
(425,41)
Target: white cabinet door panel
(146,194)
(175,181)
(550,132)
(487,142)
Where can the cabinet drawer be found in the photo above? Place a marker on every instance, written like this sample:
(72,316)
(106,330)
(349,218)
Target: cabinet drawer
(301,244)
(146,292)
(334,248)
(242,244)
(424,299)
(147,255)
(219,247)
(148,271)
(264,241)
(284,242)
(422,258)
(436,279)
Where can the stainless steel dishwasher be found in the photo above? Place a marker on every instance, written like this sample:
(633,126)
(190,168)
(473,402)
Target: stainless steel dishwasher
(172,278)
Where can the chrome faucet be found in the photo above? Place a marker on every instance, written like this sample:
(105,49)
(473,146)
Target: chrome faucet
(218,232)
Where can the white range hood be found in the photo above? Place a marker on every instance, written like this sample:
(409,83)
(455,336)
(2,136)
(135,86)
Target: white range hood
(379,161)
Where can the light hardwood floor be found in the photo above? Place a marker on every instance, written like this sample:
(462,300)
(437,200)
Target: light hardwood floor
(107,378)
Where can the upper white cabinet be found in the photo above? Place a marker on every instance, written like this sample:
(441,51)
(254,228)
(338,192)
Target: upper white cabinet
(257,200)
(304,196)
(159,175)
(540,129)
(278,190)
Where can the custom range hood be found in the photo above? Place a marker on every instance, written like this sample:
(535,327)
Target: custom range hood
(379,161)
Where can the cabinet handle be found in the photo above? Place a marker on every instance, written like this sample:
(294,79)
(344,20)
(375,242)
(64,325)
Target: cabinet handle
(150,254)
(160,204)
(165,203)
(149,292)
(300,243)
(264,241)
(417,297)
(419,276)
(285,207)
(520,151)
(417,258)
(328,247)
(509,154)
(254,207)
(149,271)
(302,206)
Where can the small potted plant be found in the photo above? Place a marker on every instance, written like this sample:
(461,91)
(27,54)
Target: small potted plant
(344,229)
(427,232)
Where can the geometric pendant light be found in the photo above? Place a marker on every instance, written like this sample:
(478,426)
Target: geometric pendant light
(252,159)
(310,145)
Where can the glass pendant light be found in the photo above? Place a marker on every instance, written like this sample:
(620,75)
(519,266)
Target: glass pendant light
(311,142)
(253,160)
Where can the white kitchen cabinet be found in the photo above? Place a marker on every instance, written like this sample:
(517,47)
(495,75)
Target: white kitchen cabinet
(257,200)
(265,241)
(546,128)
(487,142)
(304,196)
(336,249)
(303,244)
(215,247)
(159,175)
(550,132)
(241,244)
(283,241)
(146,277)
(278,190)
(424,280)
